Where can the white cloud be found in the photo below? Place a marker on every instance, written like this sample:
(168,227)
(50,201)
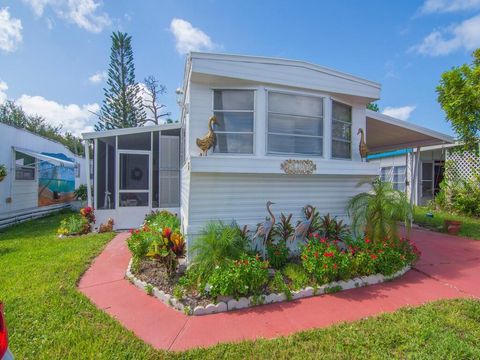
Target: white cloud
(3,91)
(72,117)
(447,6)
(98,77)
(10,31)
(84,13)
(402,113)
(189,38)
(465,35)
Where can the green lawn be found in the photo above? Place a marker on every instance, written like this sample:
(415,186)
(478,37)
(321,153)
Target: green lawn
(49,319)
(470,227)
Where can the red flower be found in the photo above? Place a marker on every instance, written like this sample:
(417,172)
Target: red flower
(373,256)
(167,232)
(325,266)
(367,240)
(316,235)
(323,240)
(334,266)
(328,254)
(316,254)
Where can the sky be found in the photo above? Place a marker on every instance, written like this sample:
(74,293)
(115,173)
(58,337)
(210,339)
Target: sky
(54,54)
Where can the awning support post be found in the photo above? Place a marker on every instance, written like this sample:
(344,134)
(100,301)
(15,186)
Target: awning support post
(89,186)
(414,187)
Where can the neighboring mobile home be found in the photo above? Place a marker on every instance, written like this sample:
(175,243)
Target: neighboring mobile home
(286,132)
(42,174)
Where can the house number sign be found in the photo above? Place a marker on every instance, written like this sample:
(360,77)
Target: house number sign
(300,167)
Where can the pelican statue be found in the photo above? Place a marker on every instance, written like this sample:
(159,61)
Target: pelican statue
(302,227)
(207,142)
(264,229)
(362,146)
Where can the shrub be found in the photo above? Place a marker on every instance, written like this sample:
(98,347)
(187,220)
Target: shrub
(3,170)
(277,254)
(332,228)
(283,229)
(80,193)
(296,275)
(216,246)
(377,212)
(162,219)
(277,285)
(243,277)
(74,225)
(138,243)
(88,213)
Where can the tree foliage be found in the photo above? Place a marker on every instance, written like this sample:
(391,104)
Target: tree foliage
(373,106)
(122,106)
(459,96)
(13,115)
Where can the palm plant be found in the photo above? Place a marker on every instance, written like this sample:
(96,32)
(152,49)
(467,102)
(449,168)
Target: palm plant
(217,244)
(378,211)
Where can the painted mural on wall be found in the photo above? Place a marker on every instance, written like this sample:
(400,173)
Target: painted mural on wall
(56,184)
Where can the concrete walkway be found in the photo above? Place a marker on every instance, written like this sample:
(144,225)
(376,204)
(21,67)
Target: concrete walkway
(449,268)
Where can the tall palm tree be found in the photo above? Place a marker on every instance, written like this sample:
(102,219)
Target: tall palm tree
(377,212)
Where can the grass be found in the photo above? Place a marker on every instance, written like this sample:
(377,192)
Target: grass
(470,226)
(49,319)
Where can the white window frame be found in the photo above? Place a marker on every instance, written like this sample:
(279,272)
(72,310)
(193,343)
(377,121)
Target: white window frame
(253,111)
(396,183)
(332,139)
(32,166)
(267,118)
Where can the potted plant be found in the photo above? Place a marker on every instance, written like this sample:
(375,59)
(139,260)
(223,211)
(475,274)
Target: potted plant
(3,172)
(453,226)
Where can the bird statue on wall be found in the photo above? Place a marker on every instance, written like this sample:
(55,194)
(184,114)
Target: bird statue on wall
(302,227)
(208,141)
(264,229)
(362,146)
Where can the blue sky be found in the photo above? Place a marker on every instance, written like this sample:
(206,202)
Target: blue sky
(53,53)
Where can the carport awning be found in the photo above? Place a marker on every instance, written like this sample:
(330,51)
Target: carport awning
(55,159)
(385,133)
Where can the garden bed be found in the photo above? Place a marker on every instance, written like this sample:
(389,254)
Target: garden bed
(202,305)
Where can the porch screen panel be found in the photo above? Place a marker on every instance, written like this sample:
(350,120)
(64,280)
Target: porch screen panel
(105,167)
(169,171)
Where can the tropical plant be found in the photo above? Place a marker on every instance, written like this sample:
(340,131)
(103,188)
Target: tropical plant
(245,276)
(377,212)
(216,245)
(123,105)
(283,229)
(88,213)
(332,228)
(138,243)
(162,219)
(3,171)
(297,276)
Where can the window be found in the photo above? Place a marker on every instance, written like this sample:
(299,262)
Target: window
(395,175)
(24,167)
(399,175)
(295,124)
(234,111)
(341,131)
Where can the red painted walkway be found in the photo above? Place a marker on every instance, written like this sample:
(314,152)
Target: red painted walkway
(449,268)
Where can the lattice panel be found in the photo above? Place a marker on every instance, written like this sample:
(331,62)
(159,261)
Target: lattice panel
(461,166)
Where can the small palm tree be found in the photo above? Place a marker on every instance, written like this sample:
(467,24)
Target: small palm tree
(378,211)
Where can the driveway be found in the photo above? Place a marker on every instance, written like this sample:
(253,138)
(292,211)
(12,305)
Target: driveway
(448,268)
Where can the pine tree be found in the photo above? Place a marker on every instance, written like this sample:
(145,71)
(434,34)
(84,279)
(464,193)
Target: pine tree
(122,106)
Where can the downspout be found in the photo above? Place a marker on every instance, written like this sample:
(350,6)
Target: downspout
(87,159)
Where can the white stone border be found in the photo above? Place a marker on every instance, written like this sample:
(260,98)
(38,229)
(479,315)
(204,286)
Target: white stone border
(243,302)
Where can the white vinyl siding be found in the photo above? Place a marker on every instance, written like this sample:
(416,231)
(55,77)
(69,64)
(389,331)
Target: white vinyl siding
(295,124)
(341,131)
(234,110)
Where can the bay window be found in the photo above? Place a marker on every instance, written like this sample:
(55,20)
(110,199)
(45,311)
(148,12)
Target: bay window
(234,110)
(295,124)
(341,131)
